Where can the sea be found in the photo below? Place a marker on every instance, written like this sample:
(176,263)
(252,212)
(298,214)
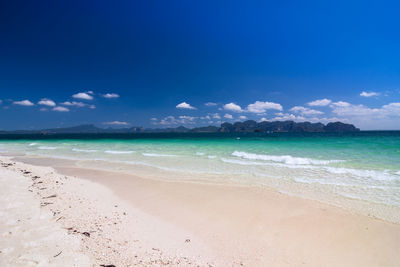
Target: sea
(359,171)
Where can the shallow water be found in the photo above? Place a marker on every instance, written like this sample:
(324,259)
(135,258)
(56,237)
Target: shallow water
(359,166)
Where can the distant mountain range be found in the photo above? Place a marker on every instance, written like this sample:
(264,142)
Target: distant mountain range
(237,127)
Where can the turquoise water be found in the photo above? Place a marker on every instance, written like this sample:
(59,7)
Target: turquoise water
(362,167)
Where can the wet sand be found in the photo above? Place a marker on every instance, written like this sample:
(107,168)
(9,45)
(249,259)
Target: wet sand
(242,225)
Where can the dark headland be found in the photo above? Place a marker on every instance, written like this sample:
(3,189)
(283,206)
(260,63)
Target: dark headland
(249,126)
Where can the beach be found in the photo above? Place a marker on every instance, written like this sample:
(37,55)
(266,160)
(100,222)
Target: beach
(122,219)
(199,133)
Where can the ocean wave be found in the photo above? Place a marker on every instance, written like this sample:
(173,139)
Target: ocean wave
(360,174)
(211,156)
(200,153)
(157,155)
(32,144)
(241,162)
(116,152)
(273,164)
(84,150)
(284,159)
(398,173)
(47,147)
(375,175)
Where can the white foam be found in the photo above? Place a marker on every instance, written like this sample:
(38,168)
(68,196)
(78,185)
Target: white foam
(287,159)
(118,152)
(47,147)
(157,155)
(376,175)
(211,157)
(32,144)
(241,162)
(84,150)
(200,153)
(398,173)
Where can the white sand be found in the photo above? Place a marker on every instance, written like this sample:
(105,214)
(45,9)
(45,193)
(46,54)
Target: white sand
(29,234)
(119,234)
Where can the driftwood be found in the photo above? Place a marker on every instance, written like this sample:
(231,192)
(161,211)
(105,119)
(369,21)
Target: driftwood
(50,196)
(57,254)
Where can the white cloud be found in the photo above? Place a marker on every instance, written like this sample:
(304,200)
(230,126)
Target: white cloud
(258,107)
(354,110)
(111,95)
(305,111)
(85,96)
(61,109)
(288,116)
(43,109)
(184,105)
(228,116)
(340,104)
(168,120)
(154,119)
(47,102)
(384,117)
(368,94)
(92,106)
(210,104)
(73,103)
(26,103)
(116,123)
(320,102)
(261,107)
(216,116)
(242,117)
(232,107)
(392,108)
(171,120)
(187,119)
(207,117)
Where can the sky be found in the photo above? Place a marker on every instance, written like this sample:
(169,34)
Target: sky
(194,63)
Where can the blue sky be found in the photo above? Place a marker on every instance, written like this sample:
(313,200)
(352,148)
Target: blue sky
(162,61)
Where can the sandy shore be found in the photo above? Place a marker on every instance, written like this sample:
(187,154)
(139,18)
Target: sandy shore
(85,221)
(139,221)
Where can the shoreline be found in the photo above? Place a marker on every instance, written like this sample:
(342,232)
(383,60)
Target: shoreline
(356,206)
(251,226)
